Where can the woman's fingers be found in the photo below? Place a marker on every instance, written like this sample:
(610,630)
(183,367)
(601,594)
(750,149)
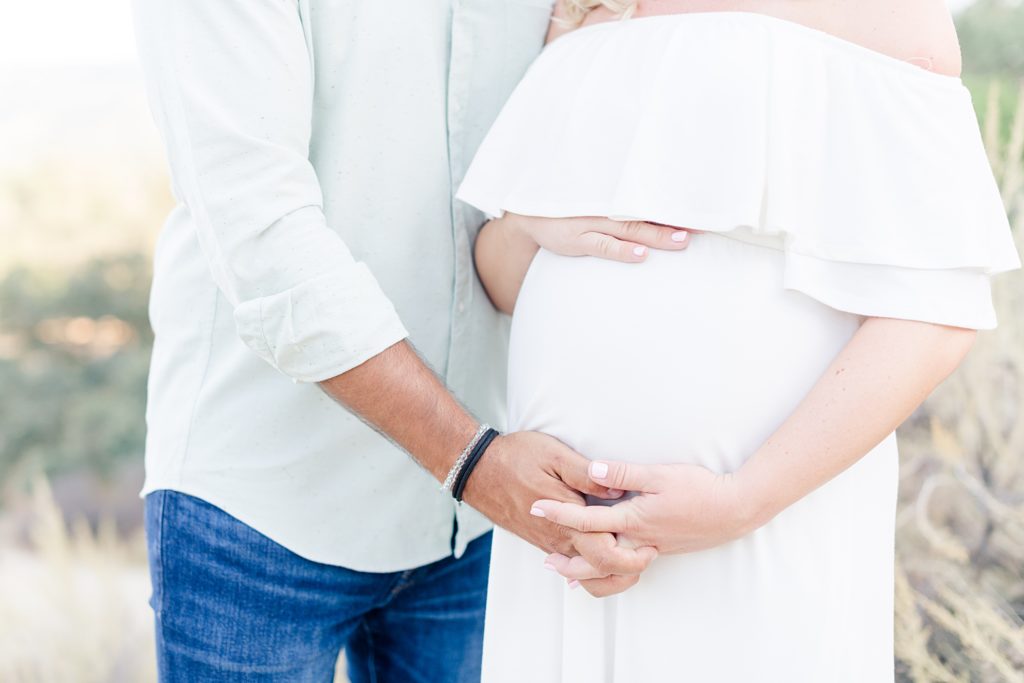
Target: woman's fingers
(690,230)
(611,585)
(574,472)
(600,557)
(586,518)
(573,568)
(654,235)
(605,246)
(626,476)
(606,557)
(628,241)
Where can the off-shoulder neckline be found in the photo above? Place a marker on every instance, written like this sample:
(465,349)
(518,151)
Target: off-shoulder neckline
(857,49)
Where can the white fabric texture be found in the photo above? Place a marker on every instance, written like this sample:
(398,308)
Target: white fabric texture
(835,183)
(701,354)
(239,155)
(862,167)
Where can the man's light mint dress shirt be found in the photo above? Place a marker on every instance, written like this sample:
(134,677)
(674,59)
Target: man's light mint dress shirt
(314,148)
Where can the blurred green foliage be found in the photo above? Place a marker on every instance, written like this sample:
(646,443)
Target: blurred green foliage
(992,38)
(1003,92)
(73,368)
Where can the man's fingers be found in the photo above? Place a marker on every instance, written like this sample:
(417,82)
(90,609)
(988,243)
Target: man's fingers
(630,563)
(585,518)
(561,544)
(625,476)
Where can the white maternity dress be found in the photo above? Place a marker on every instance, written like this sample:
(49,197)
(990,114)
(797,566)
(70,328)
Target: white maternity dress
(835,183)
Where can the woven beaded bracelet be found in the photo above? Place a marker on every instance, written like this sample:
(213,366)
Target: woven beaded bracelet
(460,462)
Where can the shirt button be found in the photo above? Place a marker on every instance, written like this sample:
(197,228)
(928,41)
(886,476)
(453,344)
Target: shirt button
(462,307)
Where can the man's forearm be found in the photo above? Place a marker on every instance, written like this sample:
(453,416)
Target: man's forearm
(398,394)
(882,375)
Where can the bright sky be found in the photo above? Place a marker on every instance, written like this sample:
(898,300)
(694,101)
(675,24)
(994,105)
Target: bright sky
(65,32)
(85,32)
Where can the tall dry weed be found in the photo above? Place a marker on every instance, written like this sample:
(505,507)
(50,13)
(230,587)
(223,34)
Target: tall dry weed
(73,607)
(960,534)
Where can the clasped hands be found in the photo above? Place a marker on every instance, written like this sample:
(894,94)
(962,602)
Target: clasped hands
(534,485)
(675,508)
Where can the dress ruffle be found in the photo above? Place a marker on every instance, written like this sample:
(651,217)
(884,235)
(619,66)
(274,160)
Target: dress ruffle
(869,172)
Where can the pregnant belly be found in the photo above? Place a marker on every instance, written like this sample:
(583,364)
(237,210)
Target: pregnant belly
(693,356)
(696,356)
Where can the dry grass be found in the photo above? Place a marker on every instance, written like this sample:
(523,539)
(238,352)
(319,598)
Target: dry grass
(73,603)
(960,542)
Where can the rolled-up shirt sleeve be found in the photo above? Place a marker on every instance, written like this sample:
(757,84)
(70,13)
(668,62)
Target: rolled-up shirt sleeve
(230,84)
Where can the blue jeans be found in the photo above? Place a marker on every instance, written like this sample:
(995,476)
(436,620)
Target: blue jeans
(233,605)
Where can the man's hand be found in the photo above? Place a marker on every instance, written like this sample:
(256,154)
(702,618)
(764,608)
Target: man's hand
(396,393)
(519,466)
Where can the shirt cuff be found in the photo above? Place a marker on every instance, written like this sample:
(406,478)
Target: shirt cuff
(323,326)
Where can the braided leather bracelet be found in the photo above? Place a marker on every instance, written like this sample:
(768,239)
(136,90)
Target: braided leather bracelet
(474,458)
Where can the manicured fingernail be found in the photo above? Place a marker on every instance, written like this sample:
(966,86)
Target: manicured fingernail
(680,236)
(574,584)
(536,512)
(615,493)
(639,250)
(598,470)
(550,567)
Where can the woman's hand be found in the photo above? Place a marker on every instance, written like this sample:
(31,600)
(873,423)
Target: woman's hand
(505,246)
(680,508)
(626,241)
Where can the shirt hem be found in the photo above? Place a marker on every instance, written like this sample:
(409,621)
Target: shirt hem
(328,558)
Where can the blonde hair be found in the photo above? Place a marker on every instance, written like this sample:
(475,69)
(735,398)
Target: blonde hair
(577,10)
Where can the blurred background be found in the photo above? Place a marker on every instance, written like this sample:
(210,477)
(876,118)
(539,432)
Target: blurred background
(83,192)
